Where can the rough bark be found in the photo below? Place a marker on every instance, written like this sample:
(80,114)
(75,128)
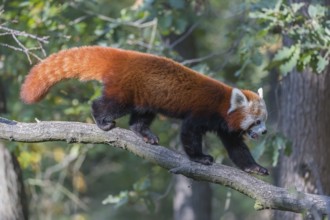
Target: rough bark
(13,205)
(265,195)
(187,191)
(305,120)
(3,102)
(190,198)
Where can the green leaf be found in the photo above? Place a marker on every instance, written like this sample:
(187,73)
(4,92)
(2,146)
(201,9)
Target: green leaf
(166,21)
(280,142)
(118,200)
(262,33)
(150,204)
(276,155)
(288,66)
(327,31)
(288,148)
(123,201)
(262,16)
(142,185)
(178,4)
(149,2)
(180,25)
(306,57)
(312,11)
(321,11)
(297,6)
(259,150)
(257,58)
(284,53)
(304,60)
(322,63)
(278,5)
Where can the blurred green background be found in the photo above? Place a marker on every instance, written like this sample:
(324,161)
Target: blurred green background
(238,42)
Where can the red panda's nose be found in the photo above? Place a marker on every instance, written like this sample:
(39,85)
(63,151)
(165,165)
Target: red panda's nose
(264,132)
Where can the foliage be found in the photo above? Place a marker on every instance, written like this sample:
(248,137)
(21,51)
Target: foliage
(306,26)
(275,143)
(224,41)
(140,192)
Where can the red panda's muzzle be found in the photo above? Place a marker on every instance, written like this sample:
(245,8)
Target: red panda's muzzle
(252,135)
(255,131)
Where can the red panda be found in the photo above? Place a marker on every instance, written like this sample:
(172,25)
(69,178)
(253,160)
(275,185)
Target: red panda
(143,84)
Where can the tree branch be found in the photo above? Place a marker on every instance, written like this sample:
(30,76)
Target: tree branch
(28,51)
(266,196)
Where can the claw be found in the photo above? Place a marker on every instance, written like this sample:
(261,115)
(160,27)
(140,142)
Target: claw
(203,159)
(256,169)
(106,126)
(151,139)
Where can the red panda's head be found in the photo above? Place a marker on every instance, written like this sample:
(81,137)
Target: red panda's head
(247,112)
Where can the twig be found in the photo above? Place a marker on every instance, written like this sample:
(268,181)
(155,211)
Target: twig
(153,33)
(24,34)
(27,51)
(21,50)
(61,188)
(200,59)
(184,36)
(24,49)
(138,24)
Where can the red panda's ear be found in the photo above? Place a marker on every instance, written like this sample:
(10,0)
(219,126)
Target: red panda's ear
(261,93)
(237,100)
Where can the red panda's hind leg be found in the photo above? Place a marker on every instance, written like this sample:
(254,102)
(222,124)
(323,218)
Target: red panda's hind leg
(140,122)
(106,110)
(191,139)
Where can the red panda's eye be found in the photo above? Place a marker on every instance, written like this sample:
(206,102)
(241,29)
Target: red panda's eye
(258,122)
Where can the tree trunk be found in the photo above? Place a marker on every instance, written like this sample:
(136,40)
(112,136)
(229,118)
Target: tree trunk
(305,120)
(3,103)
(13,204)
(192,199)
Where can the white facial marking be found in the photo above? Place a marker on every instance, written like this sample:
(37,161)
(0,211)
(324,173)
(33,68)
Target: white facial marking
(246,123)
(259,128)
(237,100)
(254,124)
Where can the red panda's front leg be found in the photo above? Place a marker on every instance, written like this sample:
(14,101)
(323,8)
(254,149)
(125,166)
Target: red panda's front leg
(240,154)
(191,138)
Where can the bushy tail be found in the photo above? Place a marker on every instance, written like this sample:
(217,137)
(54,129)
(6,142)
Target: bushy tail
(84,63)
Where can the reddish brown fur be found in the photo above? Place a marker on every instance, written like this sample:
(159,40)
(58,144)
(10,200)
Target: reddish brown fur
(140,79)
(143,85)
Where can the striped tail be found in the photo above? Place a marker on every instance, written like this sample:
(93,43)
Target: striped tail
(84,63)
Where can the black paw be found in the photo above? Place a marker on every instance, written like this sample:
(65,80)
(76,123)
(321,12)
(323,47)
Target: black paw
(151,139)
(106,125)
(204,159)
(146,134)
(256,169)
